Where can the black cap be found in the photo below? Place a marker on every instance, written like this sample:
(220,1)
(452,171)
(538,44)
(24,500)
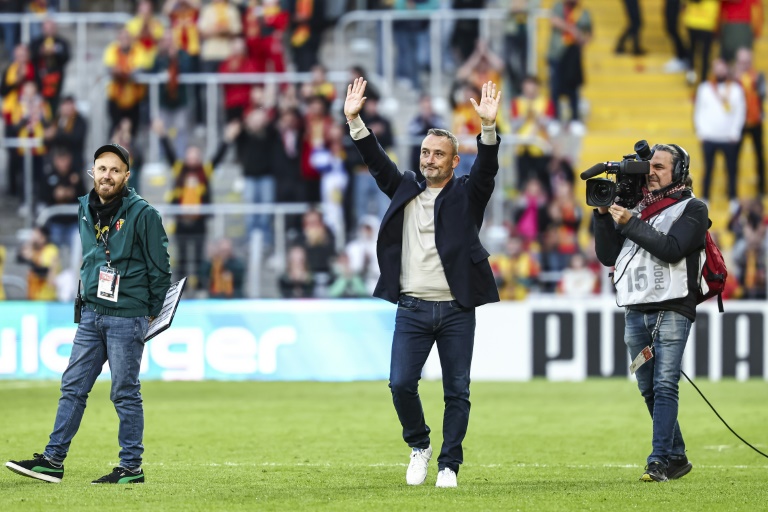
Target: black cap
(117,149)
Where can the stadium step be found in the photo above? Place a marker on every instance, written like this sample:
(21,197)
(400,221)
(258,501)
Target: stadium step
(632,98)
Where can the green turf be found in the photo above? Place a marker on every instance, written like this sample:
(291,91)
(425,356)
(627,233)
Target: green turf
(535,446)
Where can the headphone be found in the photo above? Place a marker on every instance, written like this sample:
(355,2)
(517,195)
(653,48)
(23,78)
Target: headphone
(680,172)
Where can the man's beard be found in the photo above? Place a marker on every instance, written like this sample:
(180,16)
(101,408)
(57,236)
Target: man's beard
(439,177)
(117,190)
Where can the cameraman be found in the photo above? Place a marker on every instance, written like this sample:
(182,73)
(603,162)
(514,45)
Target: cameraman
(658,268)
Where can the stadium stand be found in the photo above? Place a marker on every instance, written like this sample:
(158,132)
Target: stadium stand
(625,98)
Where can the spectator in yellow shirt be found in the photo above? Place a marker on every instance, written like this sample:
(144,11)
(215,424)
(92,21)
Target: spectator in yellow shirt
(516,271)
(124,58)
(43,258)
(146,29)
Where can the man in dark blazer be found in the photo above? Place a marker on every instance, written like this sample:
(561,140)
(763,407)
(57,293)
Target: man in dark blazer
(435,268)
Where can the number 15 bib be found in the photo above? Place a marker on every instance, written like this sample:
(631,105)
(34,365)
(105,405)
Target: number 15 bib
(641,278)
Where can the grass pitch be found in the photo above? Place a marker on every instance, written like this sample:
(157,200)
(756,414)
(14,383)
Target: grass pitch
(535,446)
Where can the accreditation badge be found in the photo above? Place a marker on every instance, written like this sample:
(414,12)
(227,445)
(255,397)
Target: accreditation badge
(109,284)
(643,357)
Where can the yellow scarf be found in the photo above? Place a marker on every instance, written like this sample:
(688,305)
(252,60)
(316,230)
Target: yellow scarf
(36,131)
(725,95)
(11,78)
(754,112)
(185,32)
(304,9)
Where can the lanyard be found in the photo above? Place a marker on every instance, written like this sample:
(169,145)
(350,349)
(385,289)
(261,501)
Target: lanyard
(104,236)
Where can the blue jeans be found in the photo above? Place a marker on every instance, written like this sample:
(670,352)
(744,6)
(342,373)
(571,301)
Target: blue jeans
(63,233)
(419,324)
(102,338)
(465,164)
(412,51)
(369,199)
(261,190)
(658,378)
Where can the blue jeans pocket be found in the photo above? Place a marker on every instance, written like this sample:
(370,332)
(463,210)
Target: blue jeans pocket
(454,305)
(141,326)
(408,303)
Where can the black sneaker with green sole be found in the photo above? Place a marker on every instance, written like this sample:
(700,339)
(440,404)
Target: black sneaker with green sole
(38,467)
(654,472)
(121,475)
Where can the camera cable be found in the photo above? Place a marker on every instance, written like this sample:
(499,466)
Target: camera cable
(721,418)
(653,340)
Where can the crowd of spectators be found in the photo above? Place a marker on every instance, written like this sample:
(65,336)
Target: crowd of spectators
(292,146)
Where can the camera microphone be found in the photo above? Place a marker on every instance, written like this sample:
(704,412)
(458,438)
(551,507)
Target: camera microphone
(625,167)
(593,171)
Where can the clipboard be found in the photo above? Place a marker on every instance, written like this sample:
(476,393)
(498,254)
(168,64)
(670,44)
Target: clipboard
(164,319)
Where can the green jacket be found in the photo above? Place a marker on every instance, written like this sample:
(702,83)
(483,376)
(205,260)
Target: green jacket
(138,248)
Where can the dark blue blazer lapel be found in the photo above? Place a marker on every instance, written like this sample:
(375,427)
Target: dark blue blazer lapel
(410,189)
(443,194)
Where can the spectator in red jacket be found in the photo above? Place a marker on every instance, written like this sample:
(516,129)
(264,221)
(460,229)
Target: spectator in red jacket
(264,22)
(236,96)
(740,24)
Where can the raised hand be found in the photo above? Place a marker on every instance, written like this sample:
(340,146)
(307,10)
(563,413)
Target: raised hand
(489,104)
(355,99)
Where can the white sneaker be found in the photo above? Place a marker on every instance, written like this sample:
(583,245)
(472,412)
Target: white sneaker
(417,468)
(675,66)
(446,478)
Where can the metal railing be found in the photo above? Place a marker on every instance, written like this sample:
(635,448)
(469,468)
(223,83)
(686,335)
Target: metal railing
(218,211)
(212,81)
(436,26)
(15,282)
(27,144)
(254,258)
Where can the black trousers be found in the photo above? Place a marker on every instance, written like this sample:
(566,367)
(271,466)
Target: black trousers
(633,29)
(730,151)
(117,114)
(190,243)
(672,23)
(756,134)
(700,42)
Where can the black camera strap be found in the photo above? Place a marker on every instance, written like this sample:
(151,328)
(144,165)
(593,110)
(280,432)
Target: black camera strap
(78,302)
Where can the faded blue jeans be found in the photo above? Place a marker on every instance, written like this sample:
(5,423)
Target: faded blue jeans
(658,378)
(102,338)
(261,190)
(418,325)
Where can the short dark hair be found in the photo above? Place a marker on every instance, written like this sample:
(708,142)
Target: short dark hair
(45,231)
(437,132)
(532,78)
(60,151)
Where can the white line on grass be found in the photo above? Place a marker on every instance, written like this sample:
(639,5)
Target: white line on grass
(723,447)
(397,465)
